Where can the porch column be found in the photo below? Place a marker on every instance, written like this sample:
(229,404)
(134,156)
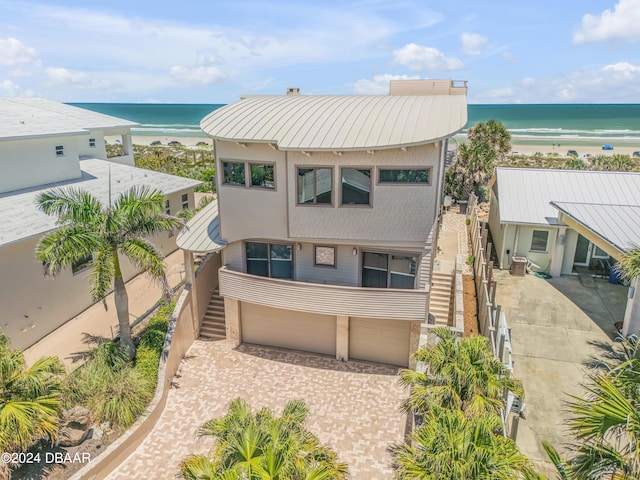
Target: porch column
(414,340)
(557,254)
(342,338)
(232,319)
(631,325)
(190,278)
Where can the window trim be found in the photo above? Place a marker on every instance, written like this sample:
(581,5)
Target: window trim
(269,243)
(225,184)
(429,170)
(167,206)
(59,150)
(92,143)
(185,201)
(323,265)
(357,205)
(315,193)
(546,246)
(258,187)
(400,253)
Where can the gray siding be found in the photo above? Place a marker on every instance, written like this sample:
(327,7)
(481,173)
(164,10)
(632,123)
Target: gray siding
(346,271)
(233,256)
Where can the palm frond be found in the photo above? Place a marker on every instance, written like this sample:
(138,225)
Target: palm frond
(629,264)
(70,205)
(65,246)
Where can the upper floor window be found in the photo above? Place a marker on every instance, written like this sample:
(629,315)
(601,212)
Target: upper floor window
(82,264)
(233,173)
(92,142)
(262,175)
(539,240)
(59,150)
(356,186)
(185,201)
(404,175)
(269,259)
(315,185)
(167,207)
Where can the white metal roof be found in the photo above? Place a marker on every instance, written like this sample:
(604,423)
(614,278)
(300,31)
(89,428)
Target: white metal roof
(617,224)
(201,234)
(525,194)
(20,217)
(32,117)
(339,123)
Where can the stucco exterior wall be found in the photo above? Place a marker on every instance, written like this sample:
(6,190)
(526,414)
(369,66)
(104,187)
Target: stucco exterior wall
(570,243)
(497,230)
(27,163)
(524,235)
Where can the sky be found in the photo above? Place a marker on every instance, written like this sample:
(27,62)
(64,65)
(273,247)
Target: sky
(560,51)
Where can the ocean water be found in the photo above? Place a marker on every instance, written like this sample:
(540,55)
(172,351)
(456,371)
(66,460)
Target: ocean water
(537,124)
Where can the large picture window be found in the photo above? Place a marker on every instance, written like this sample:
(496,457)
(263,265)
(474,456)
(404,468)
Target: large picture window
(356,186)
(386,270)
(233,173)
(269,259)
(539,240)
(315,186)
(414,175)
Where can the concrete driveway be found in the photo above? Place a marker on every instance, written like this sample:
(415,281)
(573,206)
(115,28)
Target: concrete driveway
(558,326)
(353,405)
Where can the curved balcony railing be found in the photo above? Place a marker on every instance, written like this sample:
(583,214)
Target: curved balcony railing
(325,299)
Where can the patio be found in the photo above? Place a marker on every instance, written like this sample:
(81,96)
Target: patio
(353,405)
(558,326)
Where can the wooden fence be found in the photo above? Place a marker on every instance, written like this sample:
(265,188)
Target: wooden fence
(491,319)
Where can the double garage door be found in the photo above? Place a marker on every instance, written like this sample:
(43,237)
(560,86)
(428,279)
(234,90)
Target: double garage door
(371,339)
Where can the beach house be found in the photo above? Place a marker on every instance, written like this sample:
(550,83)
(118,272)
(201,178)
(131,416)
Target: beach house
(46,144)
(326,214)
(567,222)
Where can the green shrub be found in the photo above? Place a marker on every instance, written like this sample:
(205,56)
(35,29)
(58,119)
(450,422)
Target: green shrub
(468,221)
(471,260)
(147,362)
(123,399)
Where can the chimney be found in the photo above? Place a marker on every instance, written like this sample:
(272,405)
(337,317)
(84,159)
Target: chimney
(293,91)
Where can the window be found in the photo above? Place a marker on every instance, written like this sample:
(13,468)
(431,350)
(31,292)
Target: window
(269,259)
(82,264)
(92,142)
(233,173)
(384,270)
(539,240)
(167,207)
(262,175)
(185,201)
(325,256)
(315,185)
(356,186)
(59,150)
(388,175)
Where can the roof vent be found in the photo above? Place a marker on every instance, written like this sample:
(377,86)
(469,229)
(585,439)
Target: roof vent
(293,91)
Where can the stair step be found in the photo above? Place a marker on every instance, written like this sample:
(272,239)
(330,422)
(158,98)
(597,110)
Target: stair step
(214,337)
(441,275)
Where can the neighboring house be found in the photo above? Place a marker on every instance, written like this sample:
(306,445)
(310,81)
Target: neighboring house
(327,207)
(45,144)
(567,221)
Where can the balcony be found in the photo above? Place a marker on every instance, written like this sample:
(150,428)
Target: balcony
(386,303)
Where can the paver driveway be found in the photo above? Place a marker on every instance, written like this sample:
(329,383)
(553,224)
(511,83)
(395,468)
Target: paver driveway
(353,405)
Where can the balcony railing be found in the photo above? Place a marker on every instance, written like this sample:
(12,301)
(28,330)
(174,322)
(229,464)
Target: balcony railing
(325,299)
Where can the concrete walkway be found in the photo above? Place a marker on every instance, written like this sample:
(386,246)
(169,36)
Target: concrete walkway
(69,340)
(558,326)
(353,406)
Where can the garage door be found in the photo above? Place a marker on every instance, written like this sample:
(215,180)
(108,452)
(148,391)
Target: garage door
(278,327)
(376,340)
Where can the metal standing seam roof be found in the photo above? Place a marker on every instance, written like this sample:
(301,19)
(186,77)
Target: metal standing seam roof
(617,224)
(20,217)
(339,123)
(31,117)
(201,234)
(525,194)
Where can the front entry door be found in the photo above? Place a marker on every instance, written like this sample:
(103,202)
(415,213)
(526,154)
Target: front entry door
(583,251)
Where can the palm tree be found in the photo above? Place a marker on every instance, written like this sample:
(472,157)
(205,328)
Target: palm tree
(459,373)
(629,265)
(450,446)
(262,446)
(29,398)
(90,230)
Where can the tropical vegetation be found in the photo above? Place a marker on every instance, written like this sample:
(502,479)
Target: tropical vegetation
(96,234)
(262,446)
(30,398)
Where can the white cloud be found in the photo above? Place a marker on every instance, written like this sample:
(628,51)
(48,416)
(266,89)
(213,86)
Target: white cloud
(199,75)
(61,76)
(379,85)
(473,43)
(621,24)
(420,58)
(622,69)
(11,89)
(13,52)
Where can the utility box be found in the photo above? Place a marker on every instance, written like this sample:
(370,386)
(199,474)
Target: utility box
(518,266)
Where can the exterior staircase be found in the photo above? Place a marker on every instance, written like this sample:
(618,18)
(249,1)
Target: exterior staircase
(213,324)
(441,303)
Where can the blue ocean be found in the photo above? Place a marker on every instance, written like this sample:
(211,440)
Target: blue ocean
(587,124)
